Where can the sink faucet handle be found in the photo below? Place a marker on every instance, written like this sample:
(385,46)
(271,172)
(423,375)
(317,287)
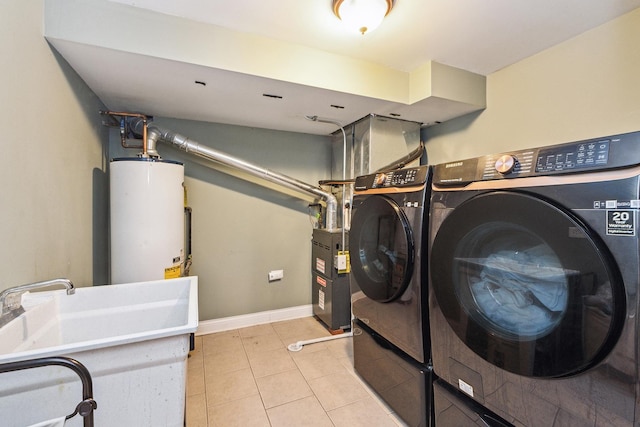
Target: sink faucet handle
(13,301)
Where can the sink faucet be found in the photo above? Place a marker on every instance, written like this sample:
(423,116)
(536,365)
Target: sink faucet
(9,312)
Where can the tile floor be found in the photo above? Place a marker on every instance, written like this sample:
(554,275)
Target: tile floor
(247,377)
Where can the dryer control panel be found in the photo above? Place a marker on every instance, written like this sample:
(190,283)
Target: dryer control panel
(612,152)
(410,177)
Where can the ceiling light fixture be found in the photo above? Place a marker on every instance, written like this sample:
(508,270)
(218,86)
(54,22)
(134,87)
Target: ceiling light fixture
(362,15)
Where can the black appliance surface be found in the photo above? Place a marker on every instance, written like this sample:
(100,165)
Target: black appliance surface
(403,383)
(387,263)
(452,408)
(388,279)
(533,281)
(330,292)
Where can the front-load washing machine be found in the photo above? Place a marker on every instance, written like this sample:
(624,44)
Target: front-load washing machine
(534,271)
(388,289)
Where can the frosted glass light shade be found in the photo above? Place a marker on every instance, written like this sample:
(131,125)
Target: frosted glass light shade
(362,15)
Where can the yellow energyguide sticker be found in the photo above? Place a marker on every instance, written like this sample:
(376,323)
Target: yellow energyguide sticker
(172,272)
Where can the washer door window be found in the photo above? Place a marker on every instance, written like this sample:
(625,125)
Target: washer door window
(518,279)
(382,240)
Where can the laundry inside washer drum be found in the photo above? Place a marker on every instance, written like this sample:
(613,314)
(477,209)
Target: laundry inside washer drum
(521,292)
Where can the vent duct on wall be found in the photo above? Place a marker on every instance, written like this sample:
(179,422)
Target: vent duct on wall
(156,133)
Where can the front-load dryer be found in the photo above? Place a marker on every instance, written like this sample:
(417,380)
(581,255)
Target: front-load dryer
(534,267)
(388,289)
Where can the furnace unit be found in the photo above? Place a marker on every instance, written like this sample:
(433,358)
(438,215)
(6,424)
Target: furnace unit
(331,297)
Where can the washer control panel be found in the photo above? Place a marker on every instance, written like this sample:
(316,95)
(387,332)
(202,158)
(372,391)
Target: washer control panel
(409,177)
(610,152)
(581,155)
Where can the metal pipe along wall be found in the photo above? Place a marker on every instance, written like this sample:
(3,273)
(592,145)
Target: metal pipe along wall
(156,133)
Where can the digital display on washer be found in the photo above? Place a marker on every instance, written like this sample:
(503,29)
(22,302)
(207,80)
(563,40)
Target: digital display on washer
(575,156)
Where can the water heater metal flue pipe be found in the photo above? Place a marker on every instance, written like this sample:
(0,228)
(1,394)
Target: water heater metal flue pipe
(156,133)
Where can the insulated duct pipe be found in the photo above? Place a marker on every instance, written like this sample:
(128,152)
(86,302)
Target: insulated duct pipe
(156,133)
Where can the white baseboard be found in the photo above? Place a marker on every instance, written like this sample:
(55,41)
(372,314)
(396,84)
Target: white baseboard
(244,320)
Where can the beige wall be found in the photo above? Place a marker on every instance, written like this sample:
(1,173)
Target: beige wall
(52,184)
(242,229)
(584,88)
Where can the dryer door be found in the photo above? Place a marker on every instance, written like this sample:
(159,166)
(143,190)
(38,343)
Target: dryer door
(519,278)
(382,248)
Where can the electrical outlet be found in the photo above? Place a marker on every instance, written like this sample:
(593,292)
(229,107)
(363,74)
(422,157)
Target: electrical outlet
(276,275)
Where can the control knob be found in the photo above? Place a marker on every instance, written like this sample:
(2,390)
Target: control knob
(505,164)
(379,179)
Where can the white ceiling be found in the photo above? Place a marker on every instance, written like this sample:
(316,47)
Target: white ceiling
(474,35)
(477,36)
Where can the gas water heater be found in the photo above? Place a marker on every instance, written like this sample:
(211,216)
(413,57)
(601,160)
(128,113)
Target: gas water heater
(147,219)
